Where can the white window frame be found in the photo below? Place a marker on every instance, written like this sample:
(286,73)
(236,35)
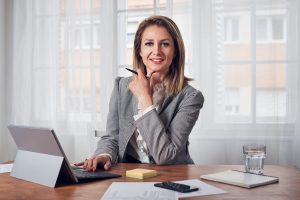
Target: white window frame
(208,122)
(252,128)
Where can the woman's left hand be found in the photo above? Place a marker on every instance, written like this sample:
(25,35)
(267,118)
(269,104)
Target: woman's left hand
(140,87)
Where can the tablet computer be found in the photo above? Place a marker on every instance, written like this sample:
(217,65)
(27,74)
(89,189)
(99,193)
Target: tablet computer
(41,157)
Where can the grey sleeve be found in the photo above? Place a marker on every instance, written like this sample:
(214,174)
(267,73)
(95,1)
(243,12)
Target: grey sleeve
(109,142)
(164,145)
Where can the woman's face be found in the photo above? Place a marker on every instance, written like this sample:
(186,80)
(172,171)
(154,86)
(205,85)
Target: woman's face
(157,50)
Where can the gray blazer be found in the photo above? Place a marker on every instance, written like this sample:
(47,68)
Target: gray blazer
(166,131)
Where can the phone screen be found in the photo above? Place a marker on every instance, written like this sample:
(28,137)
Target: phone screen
(176,187)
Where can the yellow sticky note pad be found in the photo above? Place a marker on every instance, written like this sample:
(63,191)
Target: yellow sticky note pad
(141,173)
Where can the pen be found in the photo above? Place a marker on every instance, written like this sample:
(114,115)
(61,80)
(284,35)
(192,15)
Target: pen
(135,72)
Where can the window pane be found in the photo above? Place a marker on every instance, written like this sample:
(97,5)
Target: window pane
(233,95)
(277,28)
(227,29)
(262,29)
(86,37)
(97,57)
(77,38)
(271,92)
(268,29)
(271,31)
(271,105)
(96,36)
(235,29)
(271,51)
(231,29)
(138,4)
(233,35)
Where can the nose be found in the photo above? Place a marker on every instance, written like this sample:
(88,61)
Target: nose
(156,49)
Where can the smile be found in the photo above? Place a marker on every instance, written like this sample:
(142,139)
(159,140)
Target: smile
(157,60)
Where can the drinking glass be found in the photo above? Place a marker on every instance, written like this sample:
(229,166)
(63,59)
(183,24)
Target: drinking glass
(254,156)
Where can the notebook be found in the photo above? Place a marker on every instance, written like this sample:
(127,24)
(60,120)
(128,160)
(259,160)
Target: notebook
(240,178)
(41,159)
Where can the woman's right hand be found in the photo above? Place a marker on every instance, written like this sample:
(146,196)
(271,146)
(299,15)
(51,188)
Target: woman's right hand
(140,87)
(92,163)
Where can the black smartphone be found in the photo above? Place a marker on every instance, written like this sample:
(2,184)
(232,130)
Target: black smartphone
(176,187)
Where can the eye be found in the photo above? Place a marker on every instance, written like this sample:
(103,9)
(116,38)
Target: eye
(165,44)
(148,43)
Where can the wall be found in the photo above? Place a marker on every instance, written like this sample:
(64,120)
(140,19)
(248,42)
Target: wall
(7,146)
(2,74)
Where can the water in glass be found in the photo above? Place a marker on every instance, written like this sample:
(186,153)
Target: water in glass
(254,158)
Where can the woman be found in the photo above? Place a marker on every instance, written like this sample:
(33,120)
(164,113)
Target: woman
(151,115)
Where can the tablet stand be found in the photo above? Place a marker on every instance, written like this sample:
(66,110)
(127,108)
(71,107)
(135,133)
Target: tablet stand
(37,167)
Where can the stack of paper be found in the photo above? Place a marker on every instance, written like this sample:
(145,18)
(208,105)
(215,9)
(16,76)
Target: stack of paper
(6,168)
(147,191)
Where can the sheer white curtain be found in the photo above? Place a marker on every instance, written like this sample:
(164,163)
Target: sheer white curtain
(296,144)
(249,79)
(57,76)
(2,73)
(243,57)
(63,55)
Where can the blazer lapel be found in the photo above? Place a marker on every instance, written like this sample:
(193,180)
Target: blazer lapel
(127,133)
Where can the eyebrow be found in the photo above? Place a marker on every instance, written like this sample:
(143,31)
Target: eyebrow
(163,40)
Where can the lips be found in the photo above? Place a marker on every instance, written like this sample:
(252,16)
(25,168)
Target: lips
(156,60)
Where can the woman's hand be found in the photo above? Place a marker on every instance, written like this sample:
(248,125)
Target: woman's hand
(92,163)
(140,87)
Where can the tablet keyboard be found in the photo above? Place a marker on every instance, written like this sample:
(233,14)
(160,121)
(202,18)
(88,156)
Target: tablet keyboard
(99,174)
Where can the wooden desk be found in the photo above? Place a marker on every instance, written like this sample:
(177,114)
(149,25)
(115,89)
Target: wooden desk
(287,188)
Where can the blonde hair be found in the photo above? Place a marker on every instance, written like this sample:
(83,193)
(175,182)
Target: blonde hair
(175,79)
